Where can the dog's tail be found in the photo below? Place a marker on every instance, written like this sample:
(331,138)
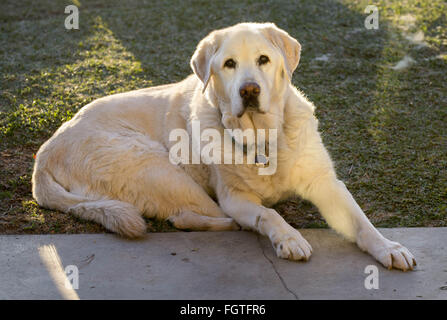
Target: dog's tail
(117,216)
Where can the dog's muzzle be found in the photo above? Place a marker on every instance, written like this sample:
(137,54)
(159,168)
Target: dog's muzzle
(249,93)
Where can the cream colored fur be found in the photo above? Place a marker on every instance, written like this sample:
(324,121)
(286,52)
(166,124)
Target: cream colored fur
(110,162)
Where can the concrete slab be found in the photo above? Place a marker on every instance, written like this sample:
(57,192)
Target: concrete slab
(214,265)
(337,268)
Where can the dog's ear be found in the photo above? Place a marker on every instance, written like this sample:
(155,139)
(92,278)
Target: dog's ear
(202,58)
(289,46)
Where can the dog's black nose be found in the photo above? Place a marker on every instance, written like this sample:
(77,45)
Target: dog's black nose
(249,90)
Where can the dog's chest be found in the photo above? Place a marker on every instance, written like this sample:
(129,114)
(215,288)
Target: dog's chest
(201,174)
(270,188)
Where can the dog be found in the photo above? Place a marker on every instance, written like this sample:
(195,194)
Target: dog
(111,163)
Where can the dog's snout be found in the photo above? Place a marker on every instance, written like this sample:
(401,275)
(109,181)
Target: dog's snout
(249,93)
(249,90)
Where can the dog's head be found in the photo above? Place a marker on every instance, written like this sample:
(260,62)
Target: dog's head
(245,70)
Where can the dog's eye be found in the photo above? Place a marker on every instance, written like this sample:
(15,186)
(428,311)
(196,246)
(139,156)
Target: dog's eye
(230,63)
(263,60)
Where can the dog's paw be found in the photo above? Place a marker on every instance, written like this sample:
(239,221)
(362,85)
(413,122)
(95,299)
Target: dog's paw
(293,246)
(394,255)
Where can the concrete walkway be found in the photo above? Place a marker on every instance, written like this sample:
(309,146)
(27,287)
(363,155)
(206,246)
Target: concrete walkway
(214,265)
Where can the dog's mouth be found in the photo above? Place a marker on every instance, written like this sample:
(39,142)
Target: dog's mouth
(250,105)
(251,118)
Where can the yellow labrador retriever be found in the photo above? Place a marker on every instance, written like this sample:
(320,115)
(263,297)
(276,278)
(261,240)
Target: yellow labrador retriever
(112,163)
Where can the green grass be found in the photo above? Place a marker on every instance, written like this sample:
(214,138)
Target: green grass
(385,129)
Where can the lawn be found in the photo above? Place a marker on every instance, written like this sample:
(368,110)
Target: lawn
(386,129)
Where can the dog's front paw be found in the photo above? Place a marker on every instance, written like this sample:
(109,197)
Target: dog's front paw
(394,255)
(293,246)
